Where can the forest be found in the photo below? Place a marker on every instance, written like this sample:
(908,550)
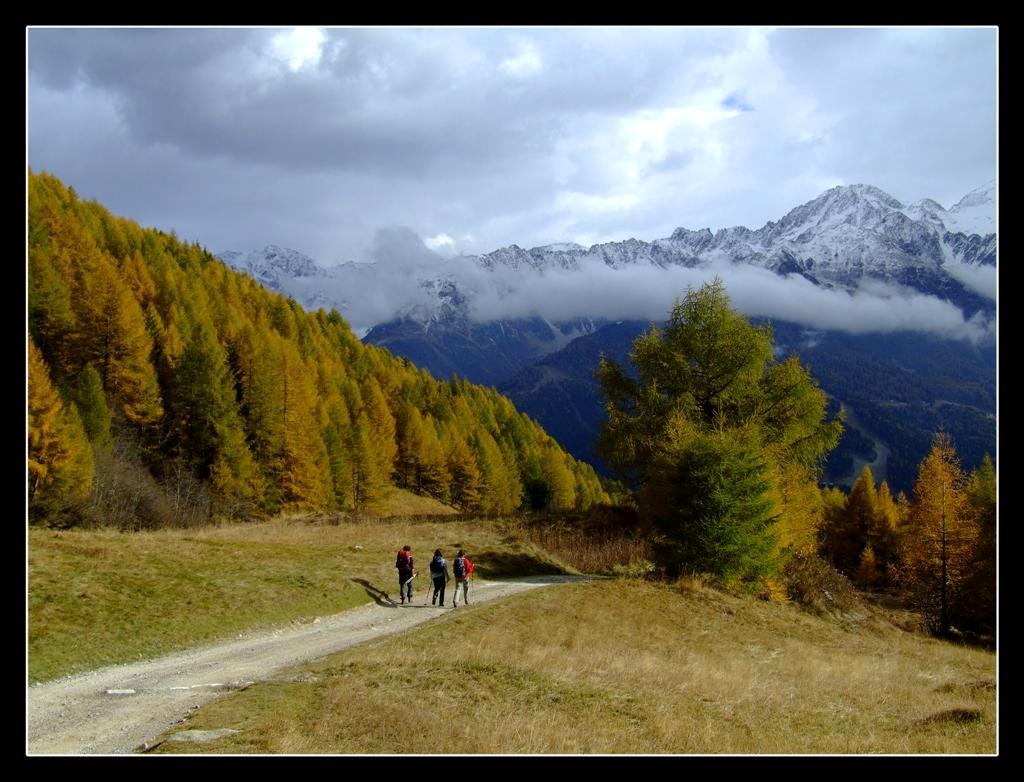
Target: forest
(166,389)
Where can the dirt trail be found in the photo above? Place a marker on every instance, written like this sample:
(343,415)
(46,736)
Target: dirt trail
(123,707)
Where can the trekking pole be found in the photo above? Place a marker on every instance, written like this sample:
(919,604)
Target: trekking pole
(401,589)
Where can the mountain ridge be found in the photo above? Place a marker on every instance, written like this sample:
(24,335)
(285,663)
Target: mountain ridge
(845,237)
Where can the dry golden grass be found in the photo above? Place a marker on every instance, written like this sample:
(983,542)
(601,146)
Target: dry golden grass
(401,502)
(588,551)
(624,666)
(98,597)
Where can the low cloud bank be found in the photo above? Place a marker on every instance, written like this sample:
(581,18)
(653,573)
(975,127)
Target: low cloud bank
(649,292)
(406,275)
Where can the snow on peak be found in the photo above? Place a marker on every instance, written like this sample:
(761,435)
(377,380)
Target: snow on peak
(980,196)
(562,247)
(845,236)
(975,213)
(270,259)
(850,206)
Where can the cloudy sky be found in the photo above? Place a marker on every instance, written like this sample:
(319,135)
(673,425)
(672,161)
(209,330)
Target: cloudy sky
(474,139)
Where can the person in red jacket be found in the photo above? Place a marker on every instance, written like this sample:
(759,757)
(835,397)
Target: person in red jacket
(404,563)
(461,568)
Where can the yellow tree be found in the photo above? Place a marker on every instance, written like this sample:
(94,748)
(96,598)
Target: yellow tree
(466,481)
(559,478)
(709,380)
(337,436)
(501,489)
(382,425)
(432,476)
(60,463)
(410,444)
(847,534)
(981,588)
(939,536)
(113,336)
(882,536)
(801,509)
(369,482)
(301,462)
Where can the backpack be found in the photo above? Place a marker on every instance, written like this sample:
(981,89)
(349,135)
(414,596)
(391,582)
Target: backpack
(459,567)
(402,560)
(437,566)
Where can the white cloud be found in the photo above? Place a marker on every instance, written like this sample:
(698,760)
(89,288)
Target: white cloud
(525,136)
(299,47)
(648,292)
(526,62)
(439,241)
(980,279)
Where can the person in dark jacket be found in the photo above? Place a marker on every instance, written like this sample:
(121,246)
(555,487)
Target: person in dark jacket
(439,572)
(405,573)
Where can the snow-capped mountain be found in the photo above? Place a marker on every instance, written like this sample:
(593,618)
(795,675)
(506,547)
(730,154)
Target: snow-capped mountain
(475,316)
(275,267)
(838,239)
(844,238)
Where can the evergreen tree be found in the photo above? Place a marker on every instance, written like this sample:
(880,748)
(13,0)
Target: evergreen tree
(708,495)
(708,394)
(91,402)
(51,319)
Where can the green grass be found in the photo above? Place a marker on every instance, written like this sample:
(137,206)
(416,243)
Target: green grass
(98,597)
(623,666)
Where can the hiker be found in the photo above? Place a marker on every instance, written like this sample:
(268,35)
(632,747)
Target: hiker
(405,573)
(461,567)
(439,572)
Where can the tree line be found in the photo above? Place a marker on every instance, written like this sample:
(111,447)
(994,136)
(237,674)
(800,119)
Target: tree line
(936,549)
(164,386)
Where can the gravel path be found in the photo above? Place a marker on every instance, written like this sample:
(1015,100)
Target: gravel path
(123,708)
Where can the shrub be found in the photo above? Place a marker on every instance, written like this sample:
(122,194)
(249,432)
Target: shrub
(815,585)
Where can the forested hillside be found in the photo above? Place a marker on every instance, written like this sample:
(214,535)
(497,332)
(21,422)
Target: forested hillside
(167,388)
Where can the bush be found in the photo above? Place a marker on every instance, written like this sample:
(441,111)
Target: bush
(127,496)
(815,585)
(603,539)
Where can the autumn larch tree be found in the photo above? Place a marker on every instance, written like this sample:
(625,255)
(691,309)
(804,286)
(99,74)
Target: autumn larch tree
(708,399)
(939,538)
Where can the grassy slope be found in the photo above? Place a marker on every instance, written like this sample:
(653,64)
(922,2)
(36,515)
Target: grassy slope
(98,597)
(401,502)
(623,666)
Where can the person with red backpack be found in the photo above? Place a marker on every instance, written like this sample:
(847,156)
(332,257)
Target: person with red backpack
(406,572)
(461,568)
